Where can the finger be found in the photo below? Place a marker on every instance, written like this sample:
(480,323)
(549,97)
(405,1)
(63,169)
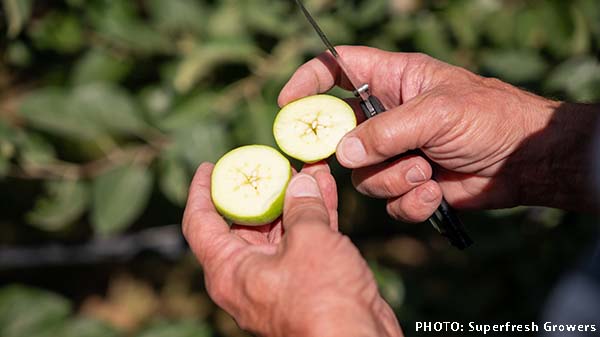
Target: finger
(390,180)
(304,203)
(406,127)
(323,72)
(418,204)
(322,173)
(205,230)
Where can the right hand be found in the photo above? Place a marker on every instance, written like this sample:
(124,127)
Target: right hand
(471,127)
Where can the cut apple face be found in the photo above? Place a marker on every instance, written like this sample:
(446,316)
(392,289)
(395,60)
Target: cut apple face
(248,184)
(309,129)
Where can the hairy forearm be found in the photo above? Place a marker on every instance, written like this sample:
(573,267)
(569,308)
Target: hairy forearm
(556,160)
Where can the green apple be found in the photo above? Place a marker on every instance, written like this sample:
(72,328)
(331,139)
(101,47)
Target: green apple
(309,129)
(248,184)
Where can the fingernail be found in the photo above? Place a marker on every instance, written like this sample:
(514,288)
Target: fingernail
(352,150)
(415,175)
(427,196)
(303,185)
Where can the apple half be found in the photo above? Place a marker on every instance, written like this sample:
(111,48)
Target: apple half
(309,129)
(248,184)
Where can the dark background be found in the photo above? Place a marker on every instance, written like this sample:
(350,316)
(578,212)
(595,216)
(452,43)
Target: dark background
(108,106)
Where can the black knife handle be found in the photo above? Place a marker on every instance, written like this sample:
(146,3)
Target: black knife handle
(444,219)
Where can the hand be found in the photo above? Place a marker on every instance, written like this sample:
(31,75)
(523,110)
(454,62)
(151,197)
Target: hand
(295,277)
(490,142)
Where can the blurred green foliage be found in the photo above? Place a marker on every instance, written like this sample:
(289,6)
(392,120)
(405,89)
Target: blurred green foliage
(108,106)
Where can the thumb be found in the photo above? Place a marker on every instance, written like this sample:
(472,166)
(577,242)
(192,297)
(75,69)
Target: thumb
(406,127)
(304,203)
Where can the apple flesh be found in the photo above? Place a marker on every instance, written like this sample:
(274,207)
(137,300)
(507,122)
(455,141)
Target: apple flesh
(309,129)
(248,184)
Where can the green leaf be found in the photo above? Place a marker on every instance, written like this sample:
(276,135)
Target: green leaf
(87,112)
(157,101)
(64,202)
(465,18)
(255,125)
(35,150)
(547,217)
(28,312)
(17,13)
(197,109)
(118,22)
(18,54)
(58,31)
(270,17)
(99,65)
(85,327)
(515,66)
(108,107)
(174,180)
(399,29)
(432,38)
(119,197)
(220,22)
(530,28)
(337,30)
(366,13)
(198,143)
(177,329)
(506,212)
(177,16)
(569,33)
(591,11)
(579,77)
(47,109)
(198,64)
(499,27)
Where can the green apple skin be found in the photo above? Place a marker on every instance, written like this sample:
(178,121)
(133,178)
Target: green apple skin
(274,210)
(324,151)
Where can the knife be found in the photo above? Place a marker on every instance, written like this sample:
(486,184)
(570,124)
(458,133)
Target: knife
(444,219)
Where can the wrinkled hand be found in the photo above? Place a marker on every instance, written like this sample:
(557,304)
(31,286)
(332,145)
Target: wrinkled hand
(295,277)
(469,126)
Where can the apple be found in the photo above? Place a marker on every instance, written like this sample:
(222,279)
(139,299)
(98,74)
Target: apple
(248,184)
(309,129)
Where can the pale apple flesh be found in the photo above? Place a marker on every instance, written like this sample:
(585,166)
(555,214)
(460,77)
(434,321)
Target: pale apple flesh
(309,129)
(248,184)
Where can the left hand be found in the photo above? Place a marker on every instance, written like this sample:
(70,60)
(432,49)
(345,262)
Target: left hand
(295,277)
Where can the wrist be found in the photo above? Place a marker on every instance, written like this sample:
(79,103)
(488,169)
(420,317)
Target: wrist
(554,159)
(346,317)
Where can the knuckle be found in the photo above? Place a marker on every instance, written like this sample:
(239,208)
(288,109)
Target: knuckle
(419,57)
(309,210)
(403,210)
(391,185)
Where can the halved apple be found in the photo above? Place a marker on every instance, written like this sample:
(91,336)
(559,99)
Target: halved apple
(248,184)
(309,129)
